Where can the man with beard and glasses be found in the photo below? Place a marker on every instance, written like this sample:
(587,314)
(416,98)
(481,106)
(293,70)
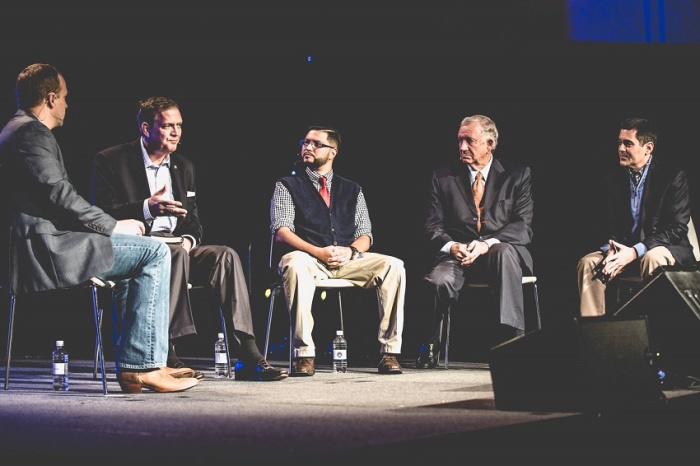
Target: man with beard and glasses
(322,229)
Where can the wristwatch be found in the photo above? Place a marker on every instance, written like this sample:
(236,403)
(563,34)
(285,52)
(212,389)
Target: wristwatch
(356,254)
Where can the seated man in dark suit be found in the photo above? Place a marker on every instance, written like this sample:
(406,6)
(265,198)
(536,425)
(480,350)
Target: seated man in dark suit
(147,179)
(646,216)
(478,222)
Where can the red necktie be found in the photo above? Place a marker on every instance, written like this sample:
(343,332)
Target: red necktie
(325,194)
(478,190)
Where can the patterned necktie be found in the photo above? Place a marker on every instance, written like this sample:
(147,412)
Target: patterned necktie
(325,194)
(478,190)
(636,177)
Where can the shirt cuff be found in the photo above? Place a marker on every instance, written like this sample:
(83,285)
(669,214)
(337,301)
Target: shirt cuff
(191,238)
(146,211)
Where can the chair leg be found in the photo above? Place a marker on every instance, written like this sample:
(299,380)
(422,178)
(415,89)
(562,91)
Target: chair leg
(223,330)
(273,292)
(98,332)
(537,306)
(291,352)
(446,318)
(10,329)
(340,310)
(98,348)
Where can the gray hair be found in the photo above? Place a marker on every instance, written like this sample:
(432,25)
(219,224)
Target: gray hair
(487,126)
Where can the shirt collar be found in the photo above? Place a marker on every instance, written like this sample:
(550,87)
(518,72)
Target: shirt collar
(641,174)
(315,176)
(147,161)
(484,171)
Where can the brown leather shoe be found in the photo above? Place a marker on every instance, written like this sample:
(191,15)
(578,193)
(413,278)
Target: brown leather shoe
(157,380)
(304,367)
(389,365)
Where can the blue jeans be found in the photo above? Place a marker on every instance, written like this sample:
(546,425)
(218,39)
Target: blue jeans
(141,272)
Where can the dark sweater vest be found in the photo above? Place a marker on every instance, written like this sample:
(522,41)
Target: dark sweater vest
(316,223)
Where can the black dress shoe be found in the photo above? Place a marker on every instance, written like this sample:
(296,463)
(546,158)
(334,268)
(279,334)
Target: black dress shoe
(428,356)
(260,372)
(173,361)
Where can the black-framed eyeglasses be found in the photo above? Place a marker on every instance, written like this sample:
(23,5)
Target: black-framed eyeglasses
(316,144)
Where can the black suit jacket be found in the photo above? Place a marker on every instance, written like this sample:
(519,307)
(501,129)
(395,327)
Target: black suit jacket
(450,214)
(57,238)
(665,210)
(119,185)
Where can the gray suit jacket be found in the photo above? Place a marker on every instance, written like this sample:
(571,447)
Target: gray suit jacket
(508,207)
(56,237)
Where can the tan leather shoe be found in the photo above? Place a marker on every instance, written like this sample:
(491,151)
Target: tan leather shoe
(157,380)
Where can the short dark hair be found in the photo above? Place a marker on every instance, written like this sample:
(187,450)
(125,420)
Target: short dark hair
(35,83)
(645,129)
(333,134)
(150,107)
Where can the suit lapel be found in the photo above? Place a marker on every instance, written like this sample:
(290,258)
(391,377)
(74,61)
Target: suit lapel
(137,166)
(492,183)
(464,187)
(176,176)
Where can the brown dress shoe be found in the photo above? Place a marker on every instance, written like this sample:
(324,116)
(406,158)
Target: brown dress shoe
(157,380)
(180,373)
(389,365)
(304,367)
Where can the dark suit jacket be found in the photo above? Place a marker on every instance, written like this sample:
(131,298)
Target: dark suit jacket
(119,185)
(508,207)
(665,210)
(57,238)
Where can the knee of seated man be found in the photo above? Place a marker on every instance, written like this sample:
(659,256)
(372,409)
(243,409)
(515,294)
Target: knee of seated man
(503,248)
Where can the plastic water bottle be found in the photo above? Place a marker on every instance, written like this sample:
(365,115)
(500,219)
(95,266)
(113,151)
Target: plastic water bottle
(220,359)
(59,357)
(340,353)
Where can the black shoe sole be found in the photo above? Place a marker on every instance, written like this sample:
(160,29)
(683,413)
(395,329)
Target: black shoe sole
(257,378)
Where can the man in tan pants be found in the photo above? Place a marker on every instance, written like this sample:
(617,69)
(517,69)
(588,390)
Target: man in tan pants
(648,211)
(322,230)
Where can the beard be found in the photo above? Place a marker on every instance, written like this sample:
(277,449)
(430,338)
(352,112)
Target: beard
(315,161)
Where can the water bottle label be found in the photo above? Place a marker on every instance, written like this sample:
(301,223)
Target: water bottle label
(220,358)
(60,368)
(340,354)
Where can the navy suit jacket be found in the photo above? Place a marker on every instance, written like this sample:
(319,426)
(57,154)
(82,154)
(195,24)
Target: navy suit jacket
(450,213)
(56,237)
(119,185)
(665,210)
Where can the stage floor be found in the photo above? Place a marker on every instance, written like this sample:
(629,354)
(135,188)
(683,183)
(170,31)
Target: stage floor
(446,415)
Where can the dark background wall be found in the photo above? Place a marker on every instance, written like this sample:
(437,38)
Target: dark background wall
(395,80)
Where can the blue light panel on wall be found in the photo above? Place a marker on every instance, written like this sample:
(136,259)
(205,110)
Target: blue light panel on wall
(635,21)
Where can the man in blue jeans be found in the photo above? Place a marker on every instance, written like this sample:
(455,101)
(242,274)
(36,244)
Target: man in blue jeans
(57,239)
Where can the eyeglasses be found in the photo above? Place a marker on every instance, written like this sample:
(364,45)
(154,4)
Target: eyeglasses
(316,144)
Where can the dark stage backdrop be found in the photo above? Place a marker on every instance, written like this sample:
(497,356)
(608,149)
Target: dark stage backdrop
(395,81)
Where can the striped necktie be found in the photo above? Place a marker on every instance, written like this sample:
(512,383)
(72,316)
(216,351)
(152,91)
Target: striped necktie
(478,190)
(325,194)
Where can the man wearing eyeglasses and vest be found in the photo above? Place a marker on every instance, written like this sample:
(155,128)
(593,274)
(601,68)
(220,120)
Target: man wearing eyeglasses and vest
(322,229)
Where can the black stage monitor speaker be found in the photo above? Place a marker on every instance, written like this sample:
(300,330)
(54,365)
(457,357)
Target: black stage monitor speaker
(670,300)
(591,364)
